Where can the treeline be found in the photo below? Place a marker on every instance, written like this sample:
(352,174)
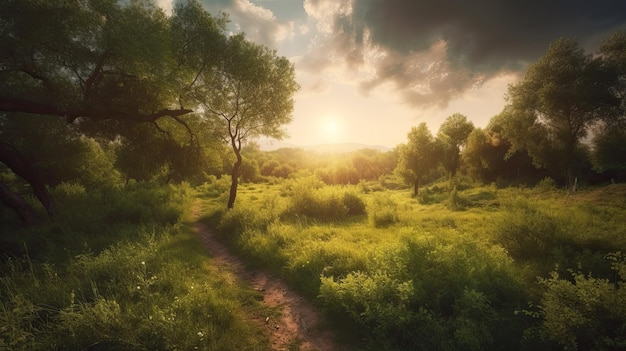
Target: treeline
(332,168)
(565,119)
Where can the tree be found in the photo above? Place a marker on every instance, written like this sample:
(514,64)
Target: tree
(613,57)
(103,65)
(255,97)
(488,155)
(418,157)
(609,151)
(452,135)
(553,106)
(477,154)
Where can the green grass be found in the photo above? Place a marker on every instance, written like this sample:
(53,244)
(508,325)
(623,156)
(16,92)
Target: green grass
(146,284)
(477,268)
(447,273)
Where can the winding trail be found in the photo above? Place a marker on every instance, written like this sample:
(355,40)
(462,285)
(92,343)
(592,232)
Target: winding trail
(299,321)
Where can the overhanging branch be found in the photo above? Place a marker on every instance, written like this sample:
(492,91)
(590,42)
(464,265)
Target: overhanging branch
(13,104)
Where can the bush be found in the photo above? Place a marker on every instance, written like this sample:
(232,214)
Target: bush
(383,211)
(354,203)
(586,313)
(309,197)
(546,184)
(431,295)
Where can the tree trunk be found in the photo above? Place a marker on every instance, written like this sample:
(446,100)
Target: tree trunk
(22,208)
(234,181)
(416,185)
(24,169)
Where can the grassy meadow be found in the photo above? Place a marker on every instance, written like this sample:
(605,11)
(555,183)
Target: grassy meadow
(120,269)
(459,267)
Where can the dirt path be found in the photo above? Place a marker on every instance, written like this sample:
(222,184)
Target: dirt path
(299,322)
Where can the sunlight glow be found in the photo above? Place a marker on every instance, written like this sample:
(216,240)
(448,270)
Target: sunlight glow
(331,129)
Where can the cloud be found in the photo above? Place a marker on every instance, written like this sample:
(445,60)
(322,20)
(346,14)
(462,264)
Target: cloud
(259,23)
(433,51)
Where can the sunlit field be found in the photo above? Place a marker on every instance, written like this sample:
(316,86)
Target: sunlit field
(476,268)
(461,266)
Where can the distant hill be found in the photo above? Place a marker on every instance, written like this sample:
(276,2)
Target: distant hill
(322,148)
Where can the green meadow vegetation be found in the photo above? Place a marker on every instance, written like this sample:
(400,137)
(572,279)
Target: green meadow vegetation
(462,266)
(121,270)
(474,269)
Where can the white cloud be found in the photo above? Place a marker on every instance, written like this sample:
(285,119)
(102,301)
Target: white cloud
(259,24)
(165,5)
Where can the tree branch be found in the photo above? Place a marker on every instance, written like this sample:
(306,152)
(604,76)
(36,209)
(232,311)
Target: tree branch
(13,104)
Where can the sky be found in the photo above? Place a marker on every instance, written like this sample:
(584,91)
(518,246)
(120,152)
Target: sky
(369,70)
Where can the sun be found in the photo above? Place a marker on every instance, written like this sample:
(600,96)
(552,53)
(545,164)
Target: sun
(331,128)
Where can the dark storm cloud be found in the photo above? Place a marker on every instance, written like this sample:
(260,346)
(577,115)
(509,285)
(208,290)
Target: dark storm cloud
(486,35)
(432,51)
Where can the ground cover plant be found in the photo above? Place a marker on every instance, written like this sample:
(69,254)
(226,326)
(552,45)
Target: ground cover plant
(473,267)
(119,269)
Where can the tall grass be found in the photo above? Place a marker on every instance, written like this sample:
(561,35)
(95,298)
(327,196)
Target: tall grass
(449,273)
(122,270)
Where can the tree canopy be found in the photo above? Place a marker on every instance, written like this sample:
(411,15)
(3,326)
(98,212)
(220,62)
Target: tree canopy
(419,156)
(453,134)
(552,108)
(107,67)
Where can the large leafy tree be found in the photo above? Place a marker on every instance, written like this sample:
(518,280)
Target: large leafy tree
(552,108)
(452,135)
(104,66)
(255,97)
(419,156)
(609,152)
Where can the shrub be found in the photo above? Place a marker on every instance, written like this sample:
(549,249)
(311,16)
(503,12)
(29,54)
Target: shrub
(430,295)
(354,203)
(311,198)
(586,313)
(546,184)
(383,211)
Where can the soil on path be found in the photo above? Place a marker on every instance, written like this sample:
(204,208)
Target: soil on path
(299,321)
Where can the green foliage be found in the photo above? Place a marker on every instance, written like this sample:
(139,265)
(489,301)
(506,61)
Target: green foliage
(455,201)
(451,136)
(586,312)
(526,230)
(552,108)
(609,152)
(546,184)
(425,277)
(146,287)
(311,198)
(419,157)
(405,306)
(354,203)
(382,211)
